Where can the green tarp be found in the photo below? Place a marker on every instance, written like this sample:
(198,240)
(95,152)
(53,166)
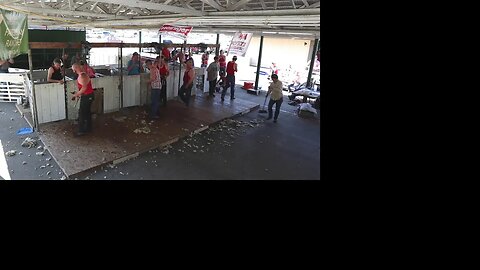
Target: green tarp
(13,34)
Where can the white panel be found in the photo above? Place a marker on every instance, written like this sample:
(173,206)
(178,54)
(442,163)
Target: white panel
(111,93)
(61,103)
(12,87)
(131,90)
(50,102)
(72,111)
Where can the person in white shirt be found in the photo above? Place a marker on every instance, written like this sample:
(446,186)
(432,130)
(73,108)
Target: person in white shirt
(213,70)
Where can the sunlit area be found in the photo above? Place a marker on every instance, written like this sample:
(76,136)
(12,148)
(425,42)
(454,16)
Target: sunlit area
(160,89)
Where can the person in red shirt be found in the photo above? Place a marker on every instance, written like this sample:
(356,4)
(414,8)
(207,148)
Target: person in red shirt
(164,72)
(86,95)
(166,53)
(231,69)
(188,77)
(205,57)
(87,69)
(222,61)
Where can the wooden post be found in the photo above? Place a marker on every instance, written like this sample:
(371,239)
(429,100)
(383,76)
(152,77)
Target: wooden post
(35,112)
(259,63)
(312,61)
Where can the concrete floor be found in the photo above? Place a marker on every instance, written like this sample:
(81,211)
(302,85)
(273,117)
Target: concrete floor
(289,149)
(9,140)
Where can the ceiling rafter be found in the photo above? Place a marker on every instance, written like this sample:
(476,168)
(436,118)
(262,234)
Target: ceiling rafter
(239,4)
(53,11)
(214,4)
(154,6)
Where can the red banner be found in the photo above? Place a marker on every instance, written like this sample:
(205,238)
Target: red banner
(176,31)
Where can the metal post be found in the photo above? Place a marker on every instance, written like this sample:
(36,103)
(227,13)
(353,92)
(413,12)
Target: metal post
(312,61)
(120,86)
(180,71)
(259,63)
(35,112)
(140,63)
(65,86)
(140,42)
(217,51)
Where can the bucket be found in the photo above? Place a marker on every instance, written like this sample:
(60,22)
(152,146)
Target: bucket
(248,85)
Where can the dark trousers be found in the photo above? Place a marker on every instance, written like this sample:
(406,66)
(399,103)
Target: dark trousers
(277,103)
(212,85)
(231,83)
(84,113)
(155,102)
(163,94)
(185,93)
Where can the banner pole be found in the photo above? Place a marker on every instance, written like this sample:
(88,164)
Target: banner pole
(35,112)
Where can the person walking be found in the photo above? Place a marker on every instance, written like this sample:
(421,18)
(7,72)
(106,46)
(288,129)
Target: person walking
(276,97)
(212,72)
(231,69)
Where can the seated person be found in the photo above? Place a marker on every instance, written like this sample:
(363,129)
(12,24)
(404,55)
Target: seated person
(295,82)
(55,72)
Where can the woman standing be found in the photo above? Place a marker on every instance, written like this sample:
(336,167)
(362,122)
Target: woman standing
(185,91)
(164,72)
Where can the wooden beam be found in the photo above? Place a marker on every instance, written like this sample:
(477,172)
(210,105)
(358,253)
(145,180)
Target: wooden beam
(315,5)
(293,4)
(143,45)
(305,3)
(275,4)
(55,45)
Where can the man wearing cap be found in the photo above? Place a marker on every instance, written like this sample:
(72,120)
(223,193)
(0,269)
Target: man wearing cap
(134,67)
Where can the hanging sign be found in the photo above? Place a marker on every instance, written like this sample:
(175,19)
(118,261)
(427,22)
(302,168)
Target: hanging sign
(13,34)
(240,43)
(176,31)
